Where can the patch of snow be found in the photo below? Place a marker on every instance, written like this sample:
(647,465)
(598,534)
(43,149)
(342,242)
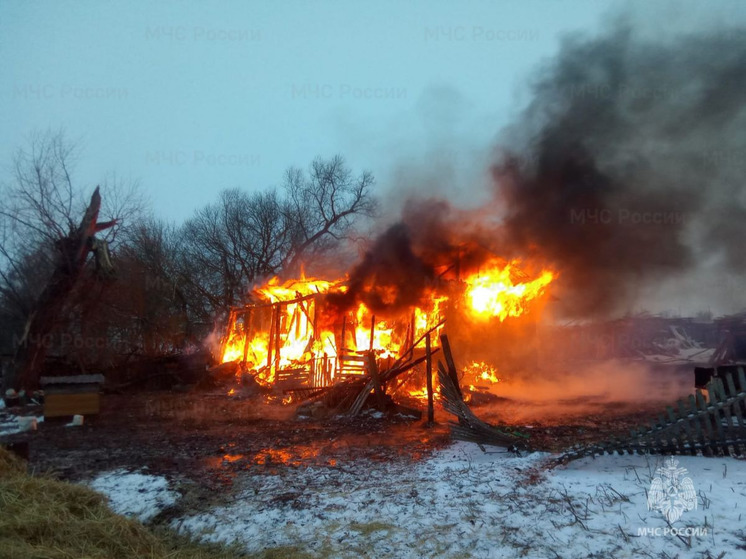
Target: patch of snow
(681,356)
(142,496)
(11,424)
(463,502)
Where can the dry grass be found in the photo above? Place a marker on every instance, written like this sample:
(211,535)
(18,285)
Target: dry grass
(42,518)
(368,528)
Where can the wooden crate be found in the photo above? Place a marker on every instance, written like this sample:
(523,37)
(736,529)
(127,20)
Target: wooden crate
(72,395)
(83,403)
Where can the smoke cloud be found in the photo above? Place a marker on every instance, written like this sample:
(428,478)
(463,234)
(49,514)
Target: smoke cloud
(631,164)
(390,278)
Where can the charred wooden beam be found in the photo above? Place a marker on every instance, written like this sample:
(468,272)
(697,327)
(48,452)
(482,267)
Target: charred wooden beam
(376,380)
(469,427)
(452,371)
(386,376)
(429,378)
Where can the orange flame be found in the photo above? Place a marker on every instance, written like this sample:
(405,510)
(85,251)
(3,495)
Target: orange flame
(479,372)
(475,375)
(287,332)
(290,338)
(273,292)
(492,292)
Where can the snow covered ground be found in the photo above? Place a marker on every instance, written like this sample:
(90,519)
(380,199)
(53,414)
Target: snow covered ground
(463,503)
(135,494)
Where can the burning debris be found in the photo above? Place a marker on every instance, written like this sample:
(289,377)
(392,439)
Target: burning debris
(470,427)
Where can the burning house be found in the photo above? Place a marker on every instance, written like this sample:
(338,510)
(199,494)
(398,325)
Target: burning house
(310,333)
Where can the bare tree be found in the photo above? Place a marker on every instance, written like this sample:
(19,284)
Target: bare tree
(176,281)
(323,205)
(147,313)
(231,244)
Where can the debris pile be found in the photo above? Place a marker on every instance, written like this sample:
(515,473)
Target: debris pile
(351,395)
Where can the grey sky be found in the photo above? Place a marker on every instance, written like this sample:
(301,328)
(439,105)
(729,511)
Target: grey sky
(193,97)
(189,98)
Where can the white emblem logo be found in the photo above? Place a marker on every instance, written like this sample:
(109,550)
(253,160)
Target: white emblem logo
(670,492)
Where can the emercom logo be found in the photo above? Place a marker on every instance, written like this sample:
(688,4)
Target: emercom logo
(671,492)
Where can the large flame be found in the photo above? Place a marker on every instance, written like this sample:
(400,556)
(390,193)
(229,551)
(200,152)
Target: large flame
(496,290)
(475,376)
(289,329)
(290,336)
(275,292)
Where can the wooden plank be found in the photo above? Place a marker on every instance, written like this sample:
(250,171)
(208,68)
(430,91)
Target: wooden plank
(278,330)
(325,377)
(666,430)
(697,426)
(741,389)
(429,373)
(714,398)
(410,336)
(685,423)
(655,437)
(676,426)
(271,344)
(60,405)
(731,385)
(373,370)
(452,372)
(72,379)
(305,307)
(362,396)
(705,421)
(246,327)
(732,422)
(362,359)
(737,405)
(295,320)
(231,325)
(341,345)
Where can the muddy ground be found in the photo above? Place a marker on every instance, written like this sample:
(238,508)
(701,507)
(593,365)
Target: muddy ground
(208,437)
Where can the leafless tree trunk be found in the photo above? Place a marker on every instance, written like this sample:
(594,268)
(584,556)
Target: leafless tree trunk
(72,253)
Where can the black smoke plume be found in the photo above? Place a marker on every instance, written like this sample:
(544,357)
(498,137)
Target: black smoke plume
(630,165)
(390,278)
